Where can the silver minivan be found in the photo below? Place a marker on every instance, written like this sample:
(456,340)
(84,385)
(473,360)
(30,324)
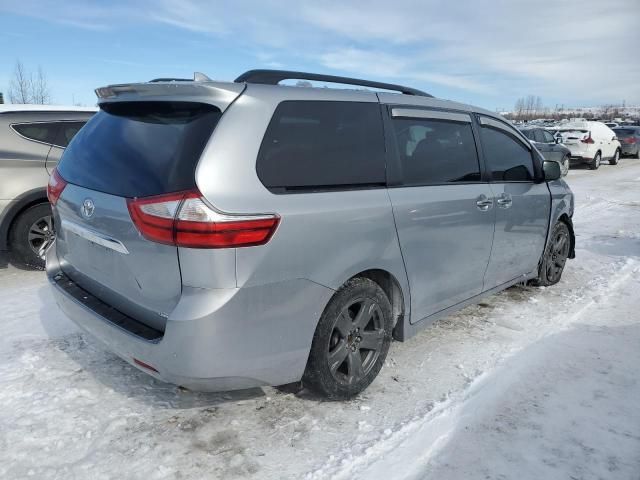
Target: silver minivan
(231,235)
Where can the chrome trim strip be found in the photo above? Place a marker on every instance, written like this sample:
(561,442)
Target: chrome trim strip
(95,237)
(436,114)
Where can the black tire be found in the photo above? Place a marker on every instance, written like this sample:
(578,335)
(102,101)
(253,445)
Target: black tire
(31,233)
(565,165)
(351,341)
(554,257)
(595,163)
(637,154)
(615,159)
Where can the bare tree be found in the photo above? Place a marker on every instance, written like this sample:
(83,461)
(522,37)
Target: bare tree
(40,89)
(20,86)
(25,88)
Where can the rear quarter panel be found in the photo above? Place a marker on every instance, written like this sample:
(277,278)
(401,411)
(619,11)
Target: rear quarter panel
(324,237)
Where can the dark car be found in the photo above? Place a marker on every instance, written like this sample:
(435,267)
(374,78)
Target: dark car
(629,140)
(549,146)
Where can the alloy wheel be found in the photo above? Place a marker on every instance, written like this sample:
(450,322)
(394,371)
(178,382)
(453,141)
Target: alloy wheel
(41,235)
(356,341)
(557,256)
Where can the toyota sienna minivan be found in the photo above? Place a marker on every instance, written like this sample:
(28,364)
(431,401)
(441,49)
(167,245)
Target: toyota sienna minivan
(227,235)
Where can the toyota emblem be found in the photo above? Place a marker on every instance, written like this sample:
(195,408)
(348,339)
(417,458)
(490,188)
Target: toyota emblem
(88,207)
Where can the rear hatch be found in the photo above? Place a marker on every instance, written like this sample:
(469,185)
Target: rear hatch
(575,139)
(129,149)
(625,135)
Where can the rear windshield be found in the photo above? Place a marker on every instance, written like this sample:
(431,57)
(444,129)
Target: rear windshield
(138,149)
(623,132)
(574,133)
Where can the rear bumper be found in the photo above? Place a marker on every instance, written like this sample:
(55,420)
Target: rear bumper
(216,339)
(629,149)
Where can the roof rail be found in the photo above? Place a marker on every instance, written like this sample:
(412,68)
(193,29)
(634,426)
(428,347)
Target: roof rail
(273,77)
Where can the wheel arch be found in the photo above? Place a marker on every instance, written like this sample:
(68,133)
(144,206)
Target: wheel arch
(393,289)
(564,218)
(15,208)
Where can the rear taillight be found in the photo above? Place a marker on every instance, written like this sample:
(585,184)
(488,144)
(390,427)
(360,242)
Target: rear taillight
(631,140)
(185,219)
(588,140)
(55,187)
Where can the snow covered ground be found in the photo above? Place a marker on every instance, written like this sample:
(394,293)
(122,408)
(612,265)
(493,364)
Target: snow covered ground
(532,383)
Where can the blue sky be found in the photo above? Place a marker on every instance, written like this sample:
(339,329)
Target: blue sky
(489,53)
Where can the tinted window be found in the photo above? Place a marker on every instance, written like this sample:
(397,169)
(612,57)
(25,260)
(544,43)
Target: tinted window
(137,149)
(547,137)
(40,132)
(67,130)
(623,132)
(508,159)
(530,134)
(436,151)
(315,145)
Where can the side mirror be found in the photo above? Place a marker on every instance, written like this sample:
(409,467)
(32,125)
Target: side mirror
(551,170)
(558,140)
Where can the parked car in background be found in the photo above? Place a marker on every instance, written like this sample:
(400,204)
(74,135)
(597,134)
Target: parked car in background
(591,143)
(611,124)
(227,235)
(32,139)
(549,146)
(629,138)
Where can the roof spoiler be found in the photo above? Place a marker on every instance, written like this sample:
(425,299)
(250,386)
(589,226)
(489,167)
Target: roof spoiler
(273,77)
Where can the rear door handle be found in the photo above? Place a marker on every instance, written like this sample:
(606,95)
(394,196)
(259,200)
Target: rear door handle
(483,203)
(505,200)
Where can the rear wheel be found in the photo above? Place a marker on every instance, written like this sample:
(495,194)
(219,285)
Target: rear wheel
(615,159)
(351,341)
(31,234)
(554,257)
(637,154)
(595,163)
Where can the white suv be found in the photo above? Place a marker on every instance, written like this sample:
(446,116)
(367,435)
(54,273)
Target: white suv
(590,143)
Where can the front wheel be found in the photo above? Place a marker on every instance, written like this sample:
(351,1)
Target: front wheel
(351,341)
(564,165)
(554,257)
(595,163)
(615,159)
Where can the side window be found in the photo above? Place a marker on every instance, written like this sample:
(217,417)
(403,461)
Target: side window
(529,134)
(66,132)
(539,135)
(323,144)
(434,151)
(508,159)
(548,138)
(40,132)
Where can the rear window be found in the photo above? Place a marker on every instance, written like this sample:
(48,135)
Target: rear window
(623,132)
(138,149)
(40,132)
(67,130)
(317,145)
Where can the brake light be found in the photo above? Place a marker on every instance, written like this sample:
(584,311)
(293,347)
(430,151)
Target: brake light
(629,140)
(588,140)
(185,220)
(55,187)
